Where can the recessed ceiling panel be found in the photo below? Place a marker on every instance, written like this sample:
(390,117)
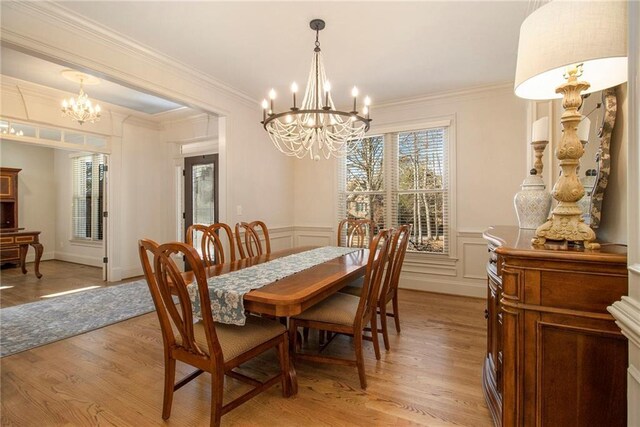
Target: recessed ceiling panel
(29,68)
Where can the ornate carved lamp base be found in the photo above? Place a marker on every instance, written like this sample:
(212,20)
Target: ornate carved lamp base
(566,221)
(571,228)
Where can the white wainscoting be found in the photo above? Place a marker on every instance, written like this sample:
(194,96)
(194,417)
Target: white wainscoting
(462,276)
(314,236)
(465,275)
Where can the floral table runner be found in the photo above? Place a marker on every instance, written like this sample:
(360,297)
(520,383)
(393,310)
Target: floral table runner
(227,290)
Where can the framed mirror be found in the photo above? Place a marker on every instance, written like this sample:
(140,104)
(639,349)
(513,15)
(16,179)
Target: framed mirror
(600,108)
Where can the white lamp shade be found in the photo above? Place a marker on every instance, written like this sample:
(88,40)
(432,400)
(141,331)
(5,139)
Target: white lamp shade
(564,33)
(583,129)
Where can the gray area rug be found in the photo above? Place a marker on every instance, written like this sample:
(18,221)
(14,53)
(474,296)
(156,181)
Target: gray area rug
(34,324)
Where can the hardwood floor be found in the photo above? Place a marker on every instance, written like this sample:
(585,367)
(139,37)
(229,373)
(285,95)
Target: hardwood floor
(113,376)
(57,276)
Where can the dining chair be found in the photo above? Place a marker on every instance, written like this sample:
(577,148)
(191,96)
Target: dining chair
(212,248)
(389,291)
(355,233)
(347,314)
(249,244)
(209,347)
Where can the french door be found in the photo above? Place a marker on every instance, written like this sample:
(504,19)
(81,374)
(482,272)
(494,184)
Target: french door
(200,191)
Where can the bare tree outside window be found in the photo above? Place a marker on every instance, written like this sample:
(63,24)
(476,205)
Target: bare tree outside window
(421,188)
(365,181)
(413,191)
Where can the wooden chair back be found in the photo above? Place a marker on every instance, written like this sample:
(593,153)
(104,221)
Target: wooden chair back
(178,315)
(378,257)
(397,251)
(355,233)
(249,244)
(211,244)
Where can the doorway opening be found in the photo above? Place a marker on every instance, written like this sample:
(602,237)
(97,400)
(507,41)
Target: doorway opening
(200,192)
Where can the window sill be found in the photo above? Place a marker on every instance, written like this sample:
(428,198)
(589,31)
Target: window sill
(85,243)
(427,258)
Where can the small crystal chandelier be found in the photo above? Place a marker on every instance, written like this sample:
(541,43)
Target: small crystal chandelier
(316,127)
(80,109)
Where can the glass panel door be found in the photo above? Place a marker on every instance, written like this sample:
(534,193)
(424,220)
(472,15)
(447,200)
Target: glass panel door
(201,191)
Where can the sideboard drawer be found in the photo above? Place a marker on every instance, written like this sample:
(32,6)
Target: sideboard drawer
(11,253)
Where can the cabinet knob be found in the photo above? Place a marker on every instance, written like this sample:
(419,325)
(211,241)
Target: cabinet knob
(486,313)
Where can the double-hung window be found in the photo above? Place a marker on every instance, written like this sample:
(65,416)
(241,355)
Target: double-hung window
(88,197)
(401,178)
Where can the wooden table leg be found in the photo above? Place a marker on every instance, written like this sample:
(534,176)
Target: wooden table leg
(39,249)
(23,258)
(293,380)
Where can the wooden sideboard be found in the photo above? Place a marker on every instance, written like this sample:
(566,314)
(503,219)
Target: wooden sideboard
(14,241)
(555,356)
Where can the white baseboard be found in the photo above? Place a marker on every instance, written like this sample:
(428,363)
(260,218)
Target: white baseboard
(131,271)
(114,274)
(79,259)
(31,256)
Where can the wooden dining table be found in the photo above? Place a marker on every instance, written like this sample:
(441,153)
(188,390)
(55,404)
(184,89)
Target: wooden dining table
(294,294)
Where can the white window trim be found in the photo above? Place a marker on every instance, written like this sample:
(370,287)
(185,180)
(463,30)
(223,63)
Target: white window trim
(78,241)
(386,129)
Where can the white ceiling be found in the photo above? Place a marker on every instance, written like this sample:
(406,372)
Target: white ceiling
(390,50)
(25,67)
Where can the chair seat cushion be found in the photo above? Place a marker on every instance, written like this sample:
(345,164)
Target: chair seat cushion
(235,340)
(338,309)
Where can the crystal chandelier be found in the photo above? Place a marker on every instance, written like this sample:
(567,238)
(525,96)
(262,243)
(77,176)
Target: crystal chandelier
(80,108)
(315,127)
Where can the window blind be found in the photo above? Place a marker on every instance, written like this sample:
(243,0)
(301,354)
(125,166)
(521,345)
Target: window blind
(422,188)
(88,197)
(404,181)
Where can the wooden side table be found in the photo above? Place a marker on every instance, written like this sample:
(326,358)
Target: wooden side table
(14,245)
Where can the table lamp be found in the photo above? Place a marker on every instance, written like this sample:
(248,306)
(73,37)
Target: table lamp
(567,48)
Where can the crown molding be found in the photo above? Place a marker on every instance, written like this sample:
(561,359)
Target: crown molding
(194,118)
(447,94)
(83,27)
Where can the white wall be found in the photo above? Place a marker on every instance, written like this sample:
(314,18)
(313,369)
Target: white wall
(490,136)
(144,194)
(36,191)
